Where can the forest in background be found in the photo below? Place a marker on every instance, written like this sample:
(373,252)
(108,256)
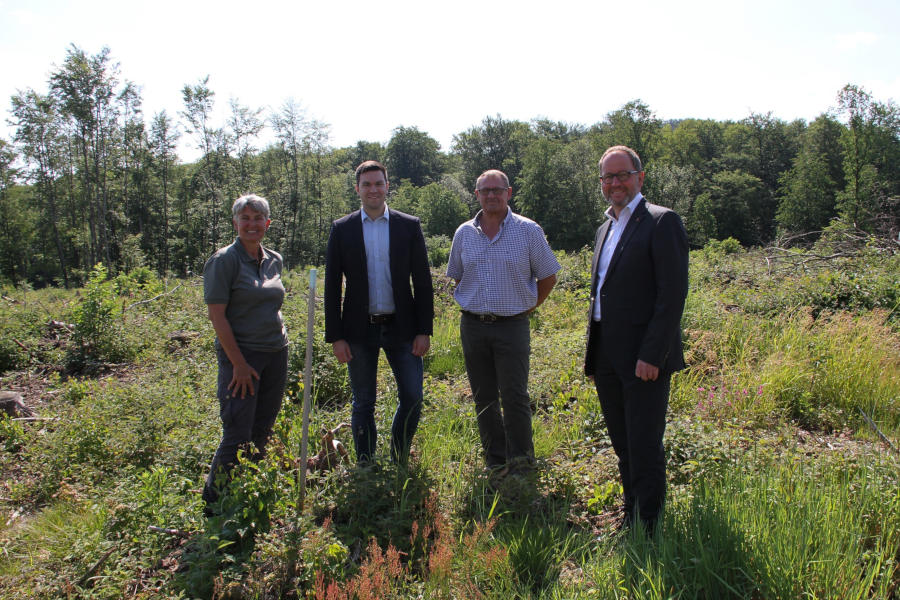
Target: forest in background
(88,178)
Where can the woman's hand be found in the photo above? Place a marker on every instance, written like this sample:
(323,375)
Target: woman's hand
(242,373)
(242,380)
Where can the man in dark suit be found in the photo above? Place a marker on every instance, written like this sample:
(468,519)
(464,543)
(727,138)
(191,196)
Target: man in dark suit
(638,288)
(379,252)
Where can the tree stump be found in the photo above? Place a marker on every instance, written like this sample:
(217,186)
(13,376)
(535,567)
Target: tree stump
(11,404)
(180,339)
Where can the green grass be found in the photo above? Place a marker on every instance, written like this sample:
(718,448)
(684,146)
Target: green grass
(777,486)
(771,530)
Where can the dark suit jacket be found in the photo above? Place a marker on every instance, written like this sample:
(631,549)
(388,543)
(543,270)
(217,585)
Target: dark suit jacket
(346,258)
(643,295)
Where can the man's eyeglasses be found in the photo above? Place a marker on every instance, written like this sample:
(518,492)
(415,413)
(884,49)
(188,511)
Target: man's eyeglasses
(621,176)
(492,190)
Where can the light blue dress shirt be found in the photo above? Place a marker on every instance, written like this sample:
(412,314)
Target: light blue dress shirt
(377,238)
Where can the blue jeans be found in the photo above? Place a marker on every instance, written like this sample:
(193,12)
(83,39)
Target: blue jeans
(408,373)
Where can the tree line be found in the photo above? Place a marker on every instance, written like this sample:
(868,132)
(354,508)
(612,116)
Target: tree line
(88,178)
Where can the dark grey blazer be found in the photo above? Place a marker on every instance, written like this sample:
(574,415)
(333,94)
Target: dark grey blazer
(643,295)
(346,316)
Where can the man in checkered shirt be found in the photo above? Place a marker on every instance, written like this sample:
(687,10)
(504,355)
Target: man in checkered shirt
(504,269)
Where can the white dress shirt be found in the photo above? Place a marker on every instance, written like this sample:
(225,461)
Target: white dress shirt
(616,227)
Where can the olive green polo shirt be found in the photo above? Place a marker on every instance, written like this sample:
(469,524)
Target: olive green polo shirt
(252,292)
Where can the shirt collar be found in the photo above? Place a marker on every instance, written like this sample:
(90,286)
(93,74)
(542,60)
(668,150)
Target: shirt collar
(629,207)
(385,214)
(477,219)
(246,255)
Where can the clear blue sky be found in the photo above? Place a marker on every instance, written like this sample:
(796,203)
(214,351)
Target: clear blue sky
(444,66)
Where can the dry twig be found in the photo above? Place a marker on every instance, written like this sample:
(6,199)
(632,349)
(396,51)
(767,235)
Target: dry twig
(130,306)
(97,565)
(883,437)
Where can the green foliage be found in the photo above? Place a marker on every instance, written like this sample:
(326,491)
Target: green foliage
(736,201)
(808,190)
(11,354)
(380,501)
(536,552)
(700,448)
(141,279)
(445,356)
(693,143)
(330,381)
(871,146)
(863,280)
(559,188)
(98,335)
(850,290)
(258,499)
(441,210)
(635,126)
(494,144)
(438,250)
(779,530)
(413,155)
(104,183)
(717,248)
(604,497)
(777,487)
(304,555)
(46,556)
(245,508)
(12,434)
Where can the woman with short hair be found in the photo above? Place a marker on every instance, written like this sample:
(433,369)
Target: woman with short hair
(243,292)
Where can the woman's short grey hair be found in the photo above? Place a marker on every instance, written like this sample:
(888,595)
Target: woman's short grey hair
(257,203)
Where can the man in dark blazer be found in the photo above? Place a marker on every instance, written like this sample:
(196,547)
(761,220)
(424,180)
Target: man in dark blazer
(639,284)
(387,303)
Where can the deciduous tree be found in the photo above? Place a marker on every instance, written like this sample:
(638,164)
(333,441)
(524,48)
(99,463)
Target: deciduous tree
(414,155)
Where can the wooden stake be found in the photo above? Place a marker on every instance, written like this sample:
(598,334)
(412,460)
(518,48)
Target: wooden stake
(307,382)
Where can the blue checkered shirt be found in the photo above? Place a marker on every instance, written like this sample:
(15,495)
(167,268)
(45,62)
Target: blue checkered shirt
(500,276)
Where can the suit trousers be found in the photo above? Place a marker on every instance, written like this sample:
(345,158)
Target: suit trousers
(497,356)
(635,415)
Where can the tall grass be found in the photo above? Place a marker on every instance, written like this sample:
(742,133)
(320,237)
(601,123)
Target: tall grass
(817,372)
(781,530)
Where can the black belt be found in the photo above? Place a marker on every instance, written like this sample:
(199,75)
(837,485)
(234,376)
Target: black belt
(490,318)
(380,319)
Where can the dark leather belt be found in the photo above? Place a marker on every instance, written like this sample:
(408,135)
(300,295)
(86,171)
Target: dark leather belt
(489,318)
(380,319)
